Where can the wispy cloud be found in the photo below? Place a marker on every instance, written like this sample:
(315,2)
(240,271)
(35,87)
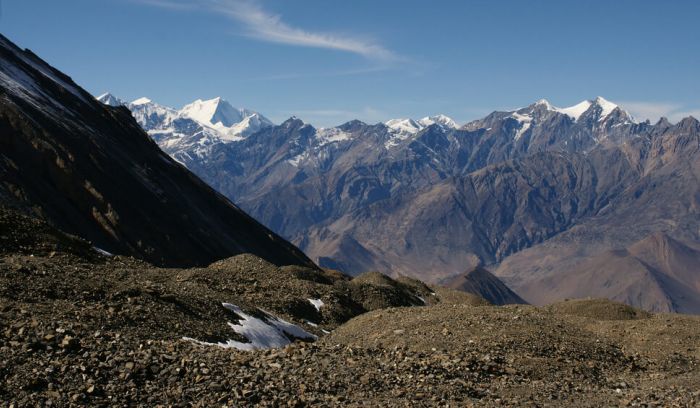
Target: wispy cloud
(265,26)
(653,111)
(168,4)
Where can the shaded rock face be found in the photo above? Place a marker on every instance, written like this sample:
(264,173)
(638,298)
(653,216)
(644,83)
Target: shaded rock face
(483,283)
(90,170)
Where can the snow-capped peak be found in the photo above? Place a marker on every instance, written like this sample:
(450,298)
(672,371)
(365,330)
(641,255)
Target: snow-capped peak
(404,126)
(407,126)
(213,112)
(249,125)
(575,111)
(440,119)
(602,108)
(109,99)
(141,101)
(607,106)
(231,123)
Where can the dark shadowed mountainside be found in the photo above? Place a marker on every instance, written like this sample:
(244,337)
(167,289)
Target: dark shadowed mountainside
(91,170)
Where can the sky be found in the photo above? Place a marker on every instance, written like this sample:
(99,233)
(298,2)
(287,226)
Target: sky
(330,61)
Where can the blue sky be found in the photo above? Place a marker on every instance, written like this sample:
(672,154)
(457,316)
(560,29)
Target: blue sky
(331,61)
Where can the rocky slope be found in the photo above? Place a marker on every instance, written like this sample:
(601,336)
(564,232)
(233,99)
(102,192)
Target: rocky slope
(483,283)
(79,328)
(661,200)
(90,169)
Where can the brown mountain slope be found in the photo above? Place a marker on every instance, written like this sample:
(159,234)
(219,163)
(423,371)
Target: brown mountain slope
(671,257)
(481,282)
(658,274)
(664,196)
(90,170)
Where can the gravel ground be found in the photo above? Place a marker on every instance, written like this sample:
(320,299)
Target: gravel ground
(79,329)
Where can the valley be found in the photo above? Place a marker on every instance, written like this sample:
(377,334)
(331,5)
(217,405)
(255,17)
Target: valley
(529,194)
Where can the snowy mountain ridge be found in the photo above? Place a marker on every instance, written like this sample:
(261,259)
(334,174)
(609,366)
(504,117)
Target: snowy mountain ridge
(599,106)
(214,117)
(407,126)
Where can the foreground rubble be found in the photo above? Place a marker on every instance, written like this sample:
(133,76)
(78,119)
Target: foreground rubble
(78,328)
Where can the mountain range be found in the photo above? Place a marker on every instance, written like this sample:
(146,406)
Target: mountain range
(190,132)
(125,280)
(531,193)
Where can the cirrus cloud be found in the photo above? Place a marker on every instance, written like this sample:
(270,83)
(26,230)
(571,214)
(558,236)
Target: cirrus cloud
(265,26)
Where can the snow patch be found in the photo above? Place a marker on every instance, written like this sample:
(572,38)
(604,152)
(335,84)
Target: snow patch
(318,303)
(232,124)
(267,333)
(102,251)
(47,71)
(410,126)
(141,101)
(404,126)
(296,160)
(403,129)
(575,111)
(442,120)
(331,135)
(606,106)
(525,123)
(22,84)
(212,112)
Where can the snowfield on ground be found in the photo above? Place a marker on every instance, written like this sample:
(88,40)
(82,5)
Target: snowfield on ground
(271,332)
(102,251)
